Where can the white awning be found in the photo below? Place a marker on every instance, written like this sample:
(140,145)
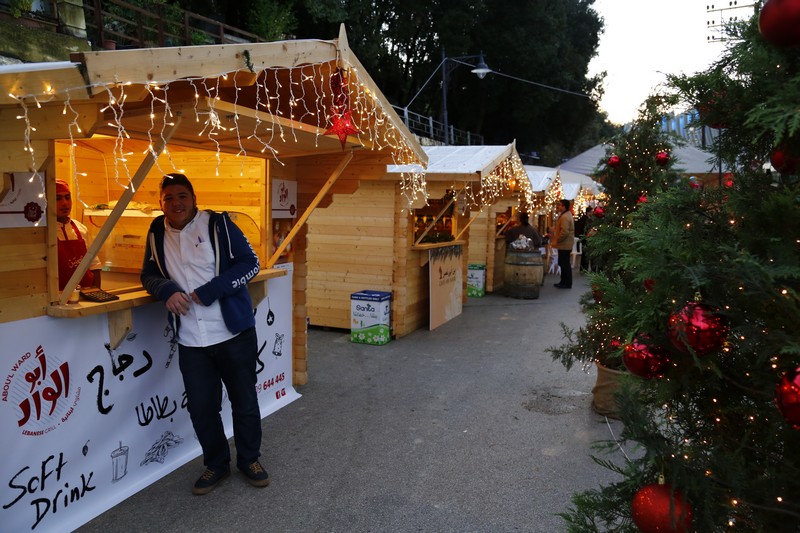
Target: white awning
(463,163)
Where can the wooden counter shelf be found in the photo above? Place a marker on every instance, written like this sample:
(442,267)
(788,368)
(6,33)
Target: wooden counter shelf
(432,245)
(138,213)
(423,258)
(120,317)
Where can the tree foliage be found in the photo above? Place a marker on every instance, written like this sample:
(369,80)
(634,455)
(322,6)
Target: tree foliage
(400,44)
(710,425)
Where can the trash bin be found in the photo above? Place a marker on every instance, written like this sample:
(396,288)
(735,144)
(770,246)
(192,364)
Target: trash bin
(476,280)
(370,317)
(523,274)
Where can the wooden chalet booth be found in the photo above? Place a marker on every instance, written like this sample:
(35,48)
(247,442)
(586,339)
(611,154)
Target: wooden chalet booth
(487,235)
(371,240)
(92,398)
(553,184)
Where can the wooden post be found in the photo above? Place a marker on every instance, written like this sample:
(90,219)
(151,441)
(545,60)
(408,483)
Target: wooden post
(435,220)
(471,220)
(122,203)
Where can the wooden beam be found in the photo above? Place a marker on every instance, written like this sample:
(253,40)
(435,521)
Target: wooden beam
(317,199)
(47,82)
(435,220)
(159,65)
(5,185)
(50,122)
(503,227)
(122,203)
(120,323)
(471,220)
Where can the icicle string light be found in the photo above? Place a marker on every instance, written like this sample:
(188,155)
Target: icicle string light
(273,100)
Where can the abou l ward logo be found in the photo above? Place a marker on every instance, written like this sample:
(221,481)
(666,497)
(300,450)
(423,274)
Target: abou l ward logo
(39,390)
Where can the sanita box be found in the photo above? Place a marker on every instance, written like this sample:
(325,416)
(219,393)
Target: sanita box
(476,280)
(370,317)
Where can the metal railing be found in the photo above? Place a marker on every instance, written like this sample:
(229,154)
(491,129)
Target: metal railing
(131,26)
(433,129)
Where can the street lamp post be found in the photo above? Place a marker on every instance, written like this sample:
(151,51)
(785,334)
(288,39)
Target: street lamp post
(480,69)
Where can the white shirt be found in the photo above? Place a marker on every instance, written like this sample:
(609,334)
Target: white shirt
(70,236)
(189,258)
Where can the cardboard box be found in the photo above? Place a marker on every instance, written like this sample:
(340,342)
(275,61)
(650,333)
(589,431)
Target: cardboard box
(370,317)
(476,280)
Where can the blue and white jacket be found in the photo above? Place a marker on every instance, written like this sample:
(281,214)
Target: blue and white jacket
(236,263)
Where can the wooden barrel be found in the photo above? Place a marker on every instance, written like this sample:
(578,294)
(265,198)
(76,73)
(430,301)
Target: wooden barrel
(524,272)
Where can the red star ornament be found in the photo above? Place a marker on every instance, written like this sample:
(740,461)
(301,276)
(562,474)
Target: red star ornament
(342,127)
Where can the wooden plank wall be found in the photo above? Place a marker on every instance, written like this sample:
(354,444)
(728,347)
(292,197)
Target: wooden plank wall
(287,170)
(350,248)
(480,237)
(23,284)
(496,249)
(239,189)
(412,308)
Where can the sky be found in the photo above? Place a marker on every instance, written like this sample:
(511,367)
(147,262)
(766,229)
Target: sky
(645,40)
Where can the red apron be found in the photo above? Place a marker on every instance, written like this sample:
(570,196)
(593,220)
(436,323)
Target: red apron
(70,254)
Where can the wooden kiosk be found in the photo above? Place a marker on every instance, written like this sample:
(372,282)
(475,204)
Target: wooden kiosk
(371,240)
(265,131)
(487,241)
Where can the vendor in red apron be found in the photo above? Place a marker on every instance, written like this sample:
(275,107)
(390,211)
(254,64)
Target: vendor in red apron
(73,241)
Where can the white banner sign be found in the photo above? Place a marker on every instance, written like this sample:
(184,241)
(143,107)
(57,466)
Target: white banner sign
(82,426)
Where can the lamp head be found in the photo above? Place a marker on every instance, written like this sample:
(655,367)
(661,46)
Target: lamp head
(481,69)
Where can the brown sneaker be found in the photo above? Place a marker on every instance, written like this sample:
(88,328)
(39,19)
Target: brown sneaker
(209,480)
(255,474)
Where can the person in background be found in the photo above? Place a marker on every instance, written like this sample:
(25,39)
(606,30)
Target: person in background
(73,242)
(582,226)
(563,241)
(199,263)
(524,228)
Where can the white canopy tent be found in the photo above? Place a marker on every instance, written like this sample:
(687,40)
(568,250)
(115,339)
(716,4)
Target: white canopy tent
(542,178)
(689,160)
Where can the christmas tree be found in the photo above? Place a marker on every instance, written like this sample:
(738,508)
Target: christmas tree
(697,294)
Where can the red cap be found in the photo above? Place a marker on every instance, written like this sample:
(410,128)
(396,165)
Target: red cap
(62,187)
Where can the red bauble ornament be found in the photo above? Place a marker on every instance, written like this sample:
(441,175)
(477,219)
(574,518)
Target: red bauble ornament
(728,180)
(783,161)
(649,283)
(698,327)
(642,199)
(644,359)
(342,127)
(662,158)
(614,161)
(787,397)
(779,22)
(599,212)
(658,509)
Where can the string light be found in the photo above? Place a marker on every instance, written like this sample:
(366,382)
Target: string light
(306,109)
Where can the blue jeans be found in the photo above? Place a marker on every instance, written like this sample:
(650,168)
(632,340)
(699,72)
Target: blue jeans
(564,262)
(204,370)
